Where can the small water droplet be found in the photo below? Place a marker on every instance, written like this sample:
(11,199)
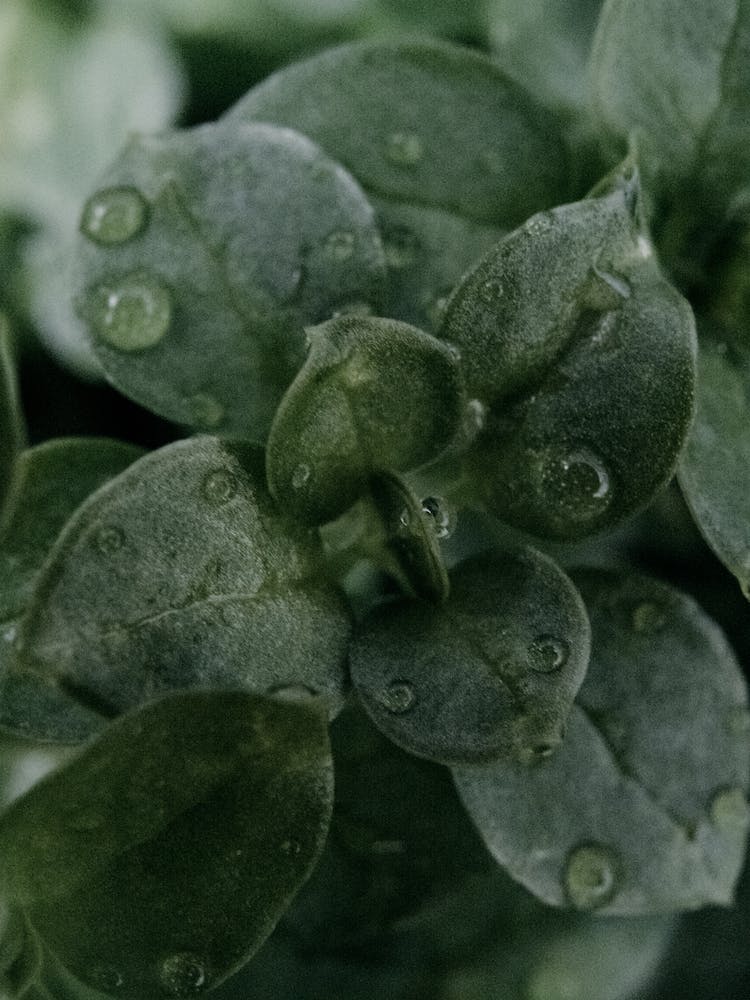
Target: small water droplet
(219,486)
(454,351)
(591,876)
(292,692)
(476,415)
(300,476)
(491,291)
(291,847)
(398,697)
(729,810)
(539,224)
(183,974)
(131,314)
(648,617)
(439,516)
(404,522)
(109,540)
(401,246)
(576,485)
(404,148)
(114,215)
(339,245)
(548,654)
(207,412)
(738,721)
(106,977)
(9,635)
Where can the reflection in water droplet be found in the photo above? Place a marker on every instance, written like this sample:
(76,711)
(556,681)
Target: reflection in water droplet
(548,654)
(648,617)
(398,697)
(339,245)
(729,810)
(183,974)
(439,516)
(114,215)
(131,314)
(219,486)
(576,486)
(109,540)
(591,876)
(206,411)
(404,148)
(300,476)
(105,977)
(292,692)
(401,247)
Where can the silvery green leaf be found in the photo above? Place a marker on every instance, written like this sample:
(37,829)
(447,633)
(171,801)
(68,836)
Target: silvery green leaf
(373,394)
(715,468)
(181,573)
(643,808)
(492,673)
(219,799)
(232,235)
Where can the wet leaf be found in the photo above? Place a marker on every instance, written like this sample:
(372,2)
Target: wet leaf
(235,235)
(589,385)
(373,394)
(643,808)
(11,422)
(180,573)
(220,799)
(491,674)
(715,468)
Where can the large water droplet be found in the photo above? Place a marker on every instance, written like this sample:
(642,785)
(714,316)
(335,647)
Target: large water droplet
(183,974)
(219,486)
(109,540)
(206,411)
(398,697)
(300,476)
(114,215)
(404,148)
(576,485)
(548,654)
(648,617)
(401,246)
(439,516)
(591,876)
(729,810)
(339,245)
(131,314)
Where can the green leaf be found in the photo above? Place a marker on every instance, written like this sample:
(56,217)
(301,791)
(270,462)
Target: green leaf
(20,953)
(11,423)
(373,394)
(643,808)
(678,76)
(180,573)
(491,674)
(585,355)
(715,468)
(422,122)
(220,800)
(234,235)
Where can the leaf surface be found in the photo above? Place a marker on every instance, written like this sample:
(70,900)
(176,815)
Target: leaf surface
(11,423)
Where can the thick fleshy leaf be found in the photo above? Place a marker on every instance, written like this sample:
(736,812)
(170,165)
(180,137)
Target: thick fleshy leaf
(491,674)
(585,355)
(181,573)
(373,394)
(20,953)
(468,139)
(161,857)
(11,423)
(203,255)
(643,808)
(715,468)
(678,75)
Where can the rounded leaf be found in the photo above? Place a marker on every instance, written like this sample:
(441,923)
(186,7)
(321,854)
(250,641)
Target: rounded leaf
(203,255)
(643,808)
(168,849)
(373,394)
(490,674)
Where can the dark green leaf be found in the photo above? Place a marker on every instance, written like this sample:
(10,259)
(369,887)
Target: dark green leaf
(586,357)
(219,800)
(11,422)
(678,75)
(234,235)
(422,122)
(20,953)
(373,394)
(715,468)
(181,573)
(492,673)
(643,809)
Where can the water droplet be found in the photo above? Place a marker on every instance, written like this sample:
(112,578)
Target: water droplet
(183,974)
(114,215)
(300,476)
(439,516)
(539,224)
(729,810)
(491,291)
(648,617)
(401,247)
(738,721)
(591,876)
(219,486)
(576,486)
(548,654)
(292,692)
(339,245)
(404,522)
(106,977)
(476,416)
(398,697)
(131,314)
(404,148)
(454,351)
(207,412)
(291,847)
(109,540)
(9,635)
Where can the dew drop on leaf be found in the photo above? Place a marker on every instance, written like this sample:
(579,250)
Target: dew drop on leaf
(132,313)
(591,876)
(208,413)
(398,697)
(648,617)
(109,540)
(548,654)
(404,149)
(729,810)
(183,975)
(339,245)
(219,486)
(439,516)
(114,215)
(576,486)
(300,476)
